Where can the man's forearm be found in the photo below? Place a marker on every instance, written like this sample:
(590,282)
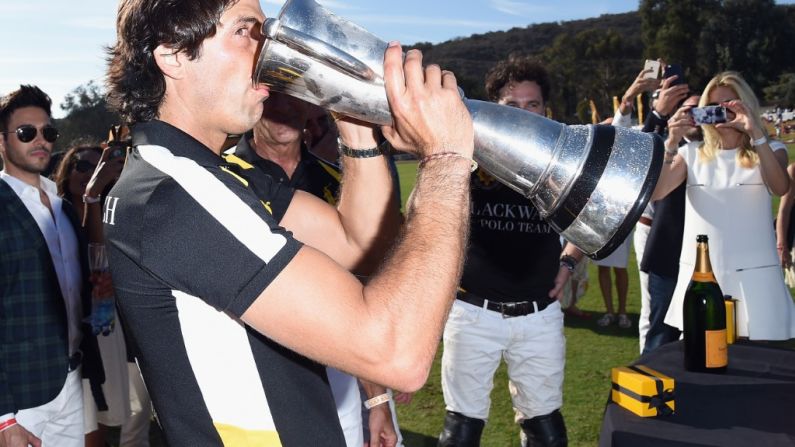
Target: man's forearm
(412,294)
(368,208)
(573,251)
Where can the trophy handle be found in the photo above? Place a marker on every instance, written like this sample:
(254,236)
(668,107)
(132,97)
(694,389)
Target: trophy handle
(317,49)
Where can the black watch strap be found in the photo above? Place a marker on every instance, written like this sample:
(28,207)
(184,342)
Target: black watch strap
(568,261)
(360,153)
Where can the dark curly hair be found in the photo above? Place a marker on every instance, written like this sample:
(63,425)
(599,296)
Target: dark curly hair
(136,85)
(516,69)
(24,96)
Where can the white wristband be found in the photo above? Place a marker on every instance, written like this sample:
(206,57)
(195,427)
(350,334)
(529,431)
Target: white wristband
(89,200)
(377,400)
(758,142)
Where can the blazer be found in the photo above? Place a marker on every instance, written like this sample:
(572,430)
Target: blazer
(34,351)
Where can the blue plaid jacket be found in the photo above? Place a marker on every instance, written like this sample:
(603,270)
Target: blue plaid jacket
(33,329)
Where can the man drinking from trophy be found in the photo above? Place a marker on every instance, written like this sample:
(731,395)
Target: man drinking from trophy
(205,271)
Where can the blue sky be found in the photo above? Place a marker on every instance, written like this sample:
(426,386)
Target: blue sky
(57,44)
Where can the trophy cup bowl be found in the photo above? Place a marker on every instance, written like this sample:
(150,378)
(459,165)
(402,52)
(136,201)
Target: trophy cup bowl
(589,182)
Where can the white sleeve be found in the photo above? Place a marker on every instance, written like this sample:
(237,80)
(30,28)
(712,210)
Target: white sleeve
(620,120)
(776,145)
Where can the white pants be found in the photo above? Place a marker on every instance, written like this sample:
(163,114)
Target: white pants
(116,388)
(58,423)
(345,389)
(639,241)
(135,432)
(534,349)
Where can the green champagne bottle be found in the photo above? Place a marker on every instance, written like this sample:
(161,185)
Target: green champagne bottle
(704,317)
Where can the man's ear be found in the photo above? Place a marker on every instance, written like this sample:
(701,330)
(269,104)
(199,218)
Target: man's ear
(170,62)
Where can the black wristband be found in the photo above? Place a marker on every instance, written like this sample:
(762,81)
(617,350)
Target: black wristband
(569,262)
(360,153)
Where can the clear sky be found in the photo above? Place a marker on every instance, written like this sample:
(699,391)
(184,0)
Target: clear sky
(58,44)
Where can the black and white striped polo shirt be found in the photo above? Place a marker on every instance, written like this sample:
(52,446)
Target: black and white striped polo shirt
(191,248)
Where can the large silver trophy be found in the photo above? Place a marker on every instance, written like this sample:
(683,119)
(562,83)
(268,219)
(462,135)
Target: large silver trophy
(591,183)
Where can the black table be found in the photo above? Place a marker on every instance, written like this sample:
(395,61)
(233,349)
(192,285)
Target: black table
(752,404)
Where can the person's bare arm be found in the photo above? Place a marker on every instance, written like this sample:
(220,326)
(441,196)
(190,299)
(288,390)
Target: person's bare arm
(783,219)
(674,169)
(388,331)
(107,171)
(367,217)
(382,430)
(772,165)
(563,272)
(639,85)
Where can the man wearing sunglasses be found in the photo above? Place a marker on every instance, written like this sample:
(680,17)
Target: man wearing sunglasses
(43,287)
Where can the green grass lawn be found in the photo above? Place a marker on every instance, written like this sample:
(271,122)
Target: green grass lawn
(591,352)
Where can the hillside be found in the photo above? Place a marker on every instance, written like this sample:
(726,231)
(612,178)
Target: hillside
(471,57)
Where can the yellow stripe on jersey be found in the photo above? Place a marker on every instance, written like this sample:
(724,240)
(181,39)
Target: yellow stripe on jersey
(242,180)
(328,196)
(267,206)
(331,170)
(233,436)
(232,158)
(243,164)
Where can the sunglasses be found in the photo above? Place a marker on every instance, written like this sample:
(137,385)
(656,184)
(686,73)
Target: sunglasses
(27,132)
(84,166)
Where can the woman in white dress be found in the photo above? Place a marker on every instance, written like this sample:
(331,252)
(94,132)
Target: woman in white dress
(730,178)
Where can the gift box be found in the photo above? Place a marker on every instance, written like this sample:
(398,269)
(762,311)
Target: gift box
(643,391)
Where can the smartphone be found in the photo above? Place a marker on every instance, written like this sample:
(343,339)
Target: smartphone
(709,115)
(675,69)
(654,66)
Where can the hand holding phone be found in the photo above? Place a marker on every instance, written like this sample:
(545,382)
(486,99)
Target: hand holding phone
(708,115)
(675,69)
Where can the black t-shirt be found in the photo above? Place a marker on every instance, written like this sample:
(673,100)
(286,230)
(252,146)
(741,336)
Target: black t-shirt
(191,247)
(513,253)
(664,243)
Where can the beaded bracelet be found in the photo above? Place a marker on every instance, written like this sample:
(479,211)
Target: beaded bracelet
(440,155)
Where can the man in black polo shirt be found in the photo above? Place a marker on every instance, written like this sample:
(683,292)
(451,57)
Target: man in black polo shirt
(275,148)
(507,304)
(208,273)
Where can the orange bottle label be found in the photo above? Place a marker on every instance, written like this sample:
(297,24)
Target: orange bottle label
(716,349)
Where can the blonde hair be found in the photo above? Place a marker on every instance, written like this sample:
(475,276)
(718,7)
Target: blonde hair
(746,155)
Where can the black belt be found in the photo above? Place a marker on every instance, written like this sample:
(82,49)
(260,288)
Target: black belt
(507,310)
(75,360)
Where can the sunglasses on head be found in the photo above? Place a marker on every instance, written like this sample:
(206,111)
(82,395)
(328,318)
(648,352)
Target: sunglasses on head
(27,132)
(84,166)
